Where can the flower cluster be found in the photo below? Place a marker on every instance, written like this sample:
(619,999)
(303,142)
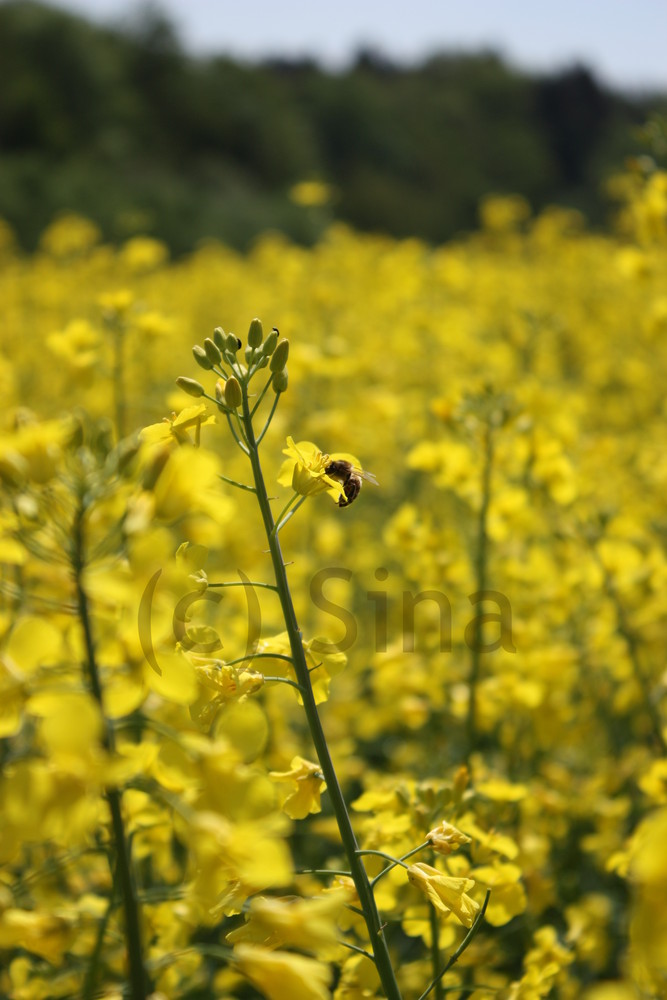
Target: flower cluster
(484,635)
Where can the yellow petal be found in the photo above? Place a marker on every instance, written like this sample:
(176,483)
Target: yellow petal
(245,726)
(178,681)
(34,642)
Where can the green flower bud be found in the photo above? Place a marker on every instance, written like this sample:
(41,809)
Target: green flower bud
(279,380)
(201,358)
(232,343)
(190,385)
(249,351)
(212,352)
(220,391)
(233,394)
(270,343)
(220,338)
(262,363)
(255,333)
(280,355)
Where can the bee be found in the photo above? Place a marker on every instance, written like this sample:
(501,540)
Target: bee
(350,478)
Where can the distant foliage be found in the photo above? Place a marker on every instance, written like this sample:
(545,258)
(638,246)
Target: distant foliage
(124,127)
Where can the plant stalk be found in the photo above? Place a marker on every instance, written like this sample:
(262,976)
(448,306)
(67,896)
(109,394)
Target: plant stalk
(359,875)
(434,924)
(481,561)
(120,401)
(123,879)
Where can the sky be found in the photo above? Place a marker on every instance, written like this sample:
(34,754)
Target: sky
(622,41)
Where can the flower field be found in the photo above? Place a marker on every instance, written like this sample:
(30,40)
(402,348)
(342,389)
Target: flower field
(483,632)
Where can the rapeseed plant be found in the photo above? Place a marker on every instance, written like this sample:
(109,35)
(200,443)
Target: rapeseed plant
(507,390)
(310,473)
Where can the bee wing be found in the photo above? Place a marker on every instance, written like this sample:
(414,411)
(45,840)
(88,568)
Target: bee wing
(368,477)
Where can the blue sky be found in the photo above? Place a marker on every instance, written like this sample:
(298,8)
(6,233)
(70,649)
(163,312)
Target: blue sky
(624,41)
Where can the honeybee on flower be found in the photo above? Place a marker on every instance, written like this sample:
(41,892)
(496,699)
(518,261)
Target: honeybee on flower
(350,477)
(310,471)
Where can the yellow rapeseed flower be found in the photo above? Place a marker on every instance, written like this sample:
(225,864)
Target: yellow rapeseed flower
(448,894)
(311,193)
(445,838)
(306,924)
(305,470)
(280,974)
(306,783)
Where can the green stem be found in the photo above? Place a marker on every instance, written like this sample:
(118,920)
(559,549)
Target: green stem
(461,948)
(220,406)
(359,951)
(241,428)
(323,871)
(88,988)
(139,985)
(396,861)
(120,404)
(269,418)
(481,561)
(233,482)
(284,680)
(281,515)
(280,524)
(382,854)
(434,924)
(240,443)
(257,656)
(359,874)
(261,397)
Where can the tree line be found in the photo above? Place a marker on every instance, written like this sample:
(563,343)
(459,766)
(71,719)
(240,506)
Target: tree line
(122,125)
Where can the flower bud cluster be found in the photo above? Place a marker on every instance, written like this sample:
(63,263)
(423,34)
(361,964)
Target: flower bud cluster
(220,355)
